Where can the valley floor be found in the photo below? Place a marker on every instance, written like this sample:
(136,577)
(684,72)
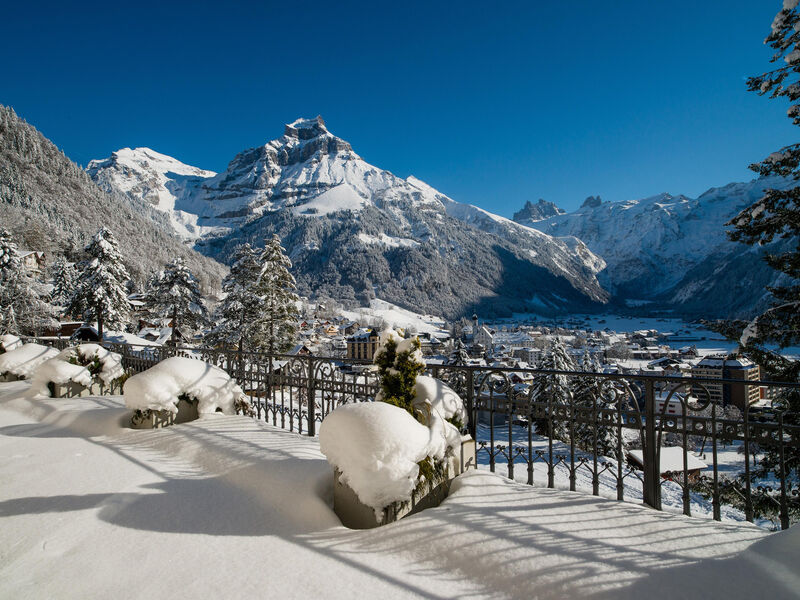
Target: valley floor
(227,506)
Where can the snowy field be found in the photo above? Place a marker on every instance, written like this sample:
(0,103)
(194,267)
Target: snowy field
(230,507)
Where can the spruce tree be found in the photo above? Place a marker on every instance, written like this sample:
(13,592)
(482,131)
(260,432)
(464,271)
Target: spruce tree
(590,395)
(777,216)
(777,213)
(64,279)
(241,308)
(554,390)
(276,329)
(459,355)
(175,293)
(22,308)
(100,289)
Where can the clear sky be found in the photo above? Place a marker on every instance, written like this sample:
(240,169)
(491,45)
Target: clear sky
(492,103)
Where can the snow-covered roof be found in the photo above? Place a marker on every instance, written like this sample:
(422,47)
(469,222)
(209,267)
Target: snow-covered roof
(671,460)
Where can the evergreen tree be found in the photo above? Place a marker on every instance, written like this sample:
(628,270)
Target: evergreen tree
(589,395)
(777,213)
(276,329)
(399,362)
(237,315)
(22,308)
(100,289)
(777,216)
(459,355)
(174,293)
(555,390)
(64,279)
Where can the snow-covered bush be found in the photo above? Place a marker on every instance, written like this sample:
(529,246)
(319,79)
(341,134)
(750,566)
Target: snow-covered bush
(24,360)
(9,342)
(378,448)
(83,364)
(391,448)
(176,378)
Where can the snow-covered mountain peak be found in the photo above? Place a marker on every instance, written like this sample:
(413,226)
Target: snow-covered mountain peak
(147,159)
(306,129)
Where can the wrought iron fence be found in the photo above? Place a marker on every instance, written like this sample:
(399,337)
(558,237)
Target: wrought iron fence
(607,434)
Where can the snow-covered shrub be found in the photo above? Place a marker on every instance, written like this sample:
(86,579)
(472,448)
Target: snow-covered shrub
(399,362)
(378,448)
(391,448)
(83,364)
(9,342)
(24,360)
(176,378)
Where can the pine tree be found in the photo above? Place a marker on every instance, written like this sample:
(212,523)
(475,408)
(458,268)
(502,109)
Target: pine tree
(22,308)
(459,355)
(554,390)
(277,327)
(398,368)
(777,213)
(100,288)
(64,280)
(590,394)
(174,293)
(777,216)
(239,311)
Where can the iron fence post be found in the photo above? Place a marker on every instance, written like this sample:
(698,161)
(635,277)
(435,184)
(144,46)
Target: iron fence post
(312,400)
(652,477)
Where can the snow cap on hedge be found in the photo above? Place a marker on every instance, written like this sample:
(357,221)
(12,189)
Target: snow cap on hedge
(23,360)
(159,387)
(376,446)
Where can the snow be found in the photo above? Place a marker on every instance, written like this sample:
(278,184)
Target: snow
(387,240)
(341,197)
(671,460)
(442,398)
(59,370)
(10,341)
(23,361)
(396,317)
(160,386)
(92,509)
(376,446)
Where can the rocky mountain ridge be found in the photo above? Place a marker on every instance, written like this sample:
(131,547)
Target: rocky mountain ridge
(356,231)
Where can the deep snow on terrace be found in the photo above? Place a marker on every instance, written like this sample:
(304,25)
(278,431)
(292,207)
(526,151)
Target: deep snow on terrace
(227,506)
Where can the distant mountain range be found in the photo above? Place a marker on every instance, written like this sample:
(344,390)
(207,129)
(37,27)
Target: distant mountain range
(356,232)
(672,252)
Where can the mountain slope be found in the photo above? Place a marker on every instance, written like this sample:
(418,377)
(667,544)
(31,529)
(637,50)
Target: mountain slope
(144,174)
(674,250)
(355,231)
(49,203)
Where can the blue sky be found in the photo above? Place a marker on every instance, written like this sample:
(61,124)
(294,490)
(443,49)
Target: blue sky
(491,103)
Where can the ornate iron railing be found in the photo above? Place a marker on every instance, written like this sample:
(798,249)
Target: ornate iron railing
(581,439)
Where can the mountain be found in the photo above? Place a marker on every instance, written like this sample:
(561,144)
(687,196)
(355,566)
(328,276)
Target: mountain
(143,174)
(49,203)
(672,251)
(530,213)
(355,231)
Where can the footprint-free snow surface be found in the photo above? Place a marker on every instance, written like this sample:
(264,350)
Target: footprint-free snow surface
(230,507)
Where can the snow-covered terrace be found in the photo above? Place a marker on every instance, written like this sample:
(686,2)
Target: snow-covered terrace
(231,507)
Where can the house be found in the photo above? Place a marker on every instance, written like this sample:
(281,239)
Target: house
(300,350)
(721,366)
(32,261)
(671,463)
(362,344)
